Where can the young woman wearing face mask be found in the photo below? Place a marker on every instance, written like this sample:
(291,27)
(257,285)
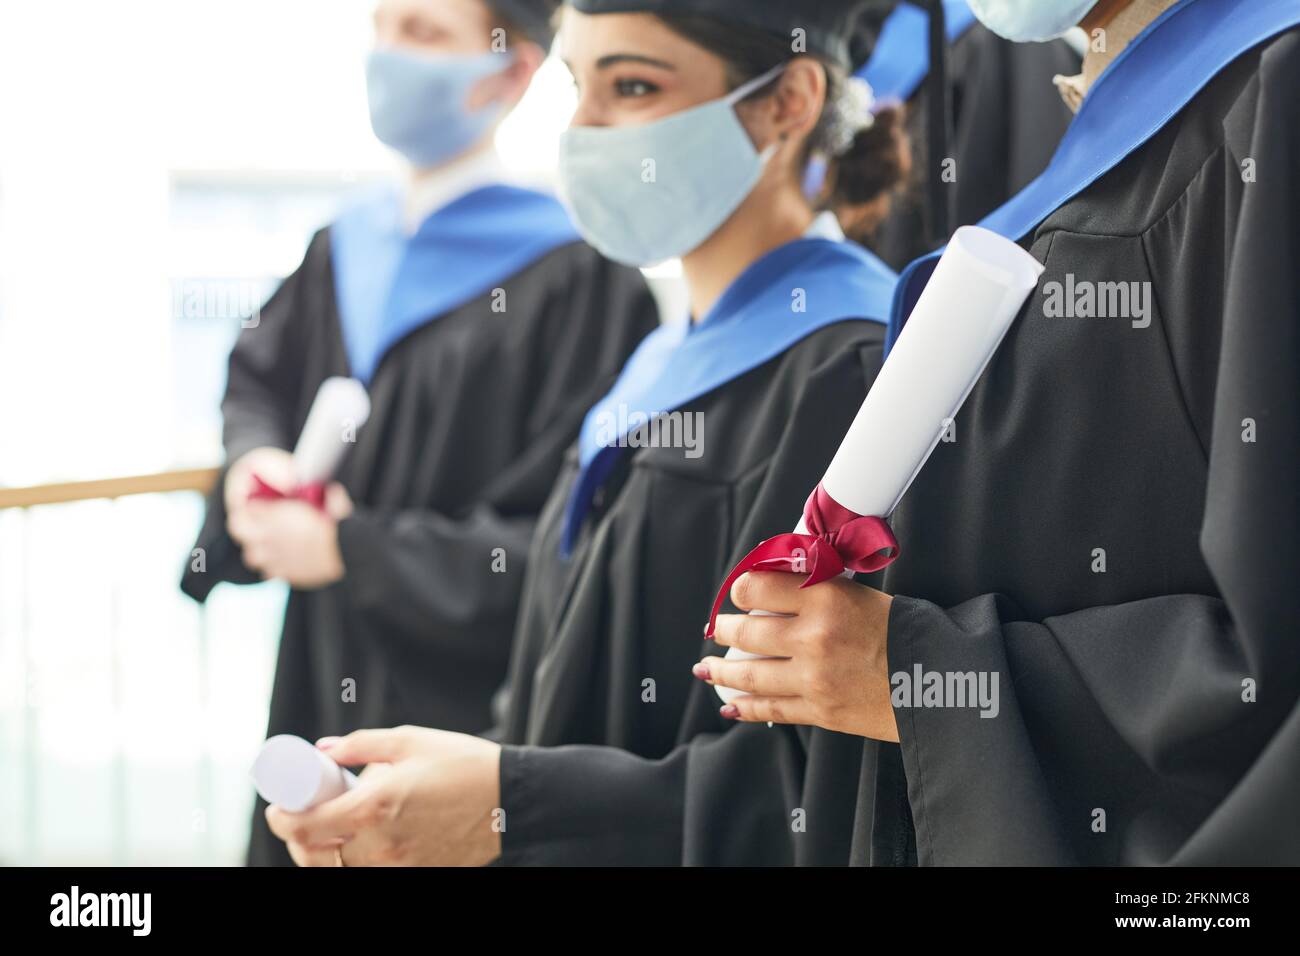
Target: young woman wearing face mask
(483,328)
(1115,535)
(692,136)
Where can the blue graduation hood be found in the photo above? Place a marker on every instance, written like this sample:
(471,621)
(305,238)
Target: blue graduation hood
(779,300)
(388,284)
(901,58)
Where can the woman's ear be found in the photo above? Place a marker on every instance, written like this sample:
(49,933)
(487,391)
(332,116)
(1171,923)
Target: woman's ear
(791,112)
(800,98)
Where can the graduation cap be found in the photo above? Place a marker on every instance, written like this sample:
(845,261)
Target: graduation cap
(536,18)
(828,25)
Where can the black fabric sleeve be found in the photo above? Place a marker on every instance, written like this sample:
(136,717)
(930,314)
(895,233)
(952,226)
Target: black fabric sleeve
(721,800)
(590,806)
(436,582)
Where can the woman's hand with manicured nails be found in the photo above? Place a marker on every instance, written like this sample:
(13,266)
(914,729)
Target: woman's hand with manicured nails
(829,666)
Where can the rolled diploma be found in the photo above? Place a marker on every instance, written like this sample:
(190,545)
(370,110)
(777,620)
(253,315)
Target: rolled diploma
(975,293)
(340,408)
(293,774)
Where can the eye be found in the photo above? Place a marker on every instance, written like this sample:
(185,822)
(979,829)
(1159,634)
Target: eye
(634,88)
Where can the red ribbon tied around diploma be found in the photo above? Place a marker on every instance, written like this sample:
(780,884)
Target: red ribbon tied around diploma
(838,540)
(313,493)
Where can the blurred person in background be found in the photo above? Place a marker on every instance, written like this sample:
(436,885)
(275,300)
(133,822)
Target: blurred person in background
(483,328)
(1003,122)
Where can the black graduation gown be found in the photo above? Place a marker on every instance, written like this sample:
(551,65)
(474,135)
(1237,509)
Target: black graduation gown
(629,605)
(1127,731)
(472,414)
(1007,118)
(592,804)
(1120,691)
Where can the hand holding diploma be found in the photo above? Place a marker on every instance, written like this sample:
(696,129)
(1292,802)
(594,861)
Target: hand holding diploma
(261,466)
(823,662)
(286,523)
(426,798)
(973,296)
(339,410)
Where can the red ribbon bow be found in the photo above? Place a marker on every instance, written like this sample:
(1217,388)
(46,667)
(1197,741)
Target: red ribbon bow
(838,540)
(313,493)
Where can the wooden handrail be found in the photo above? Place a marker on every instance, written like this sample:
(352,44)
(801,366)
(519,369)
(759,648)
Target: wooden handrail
(200,480)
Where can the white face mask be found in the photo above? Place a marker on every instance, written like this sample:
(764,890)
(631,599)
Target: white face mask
(417,102)
(1029,20)
(643,194)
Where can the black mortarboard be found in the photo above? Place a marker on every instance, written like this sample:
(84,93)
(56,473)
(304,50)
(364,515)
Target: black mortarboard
(827,25)
(535,17)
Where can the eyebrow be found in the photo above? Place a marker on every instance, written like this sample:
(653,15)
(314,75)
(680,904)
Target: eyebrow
(605,62)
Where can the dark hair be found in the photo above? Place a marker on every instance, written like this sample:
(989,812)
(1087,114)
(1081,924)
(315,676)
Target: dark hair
(526,21)
(880,156)
(515,34)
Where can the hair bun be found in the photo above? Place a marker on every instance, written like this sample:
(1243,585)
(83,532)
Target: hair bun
(878,158)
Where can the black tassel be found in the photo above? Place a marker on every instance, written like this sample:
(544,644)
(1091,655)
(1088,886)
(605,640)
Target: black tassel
(938,125)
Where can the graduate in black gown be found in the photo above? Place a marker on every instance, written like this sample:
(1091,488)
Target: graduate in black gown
(483,328)
(1004,121)
(712,435)
(622,810)
(1115,532)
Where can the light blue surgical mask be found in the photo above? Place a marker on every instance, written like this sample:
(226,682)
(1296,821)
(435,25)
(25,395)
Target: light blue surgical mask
(1025,21)
(418,102)
(644,194)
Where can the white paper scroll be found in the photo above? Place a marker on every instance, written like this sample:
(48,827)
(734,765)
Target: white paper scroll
(295,775)
(977,289)
(340,408)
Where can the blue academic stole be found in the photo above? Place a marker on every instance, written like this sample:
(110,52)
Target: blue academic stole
(388,284)
(779,300)
(1151,80)
(901,58)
